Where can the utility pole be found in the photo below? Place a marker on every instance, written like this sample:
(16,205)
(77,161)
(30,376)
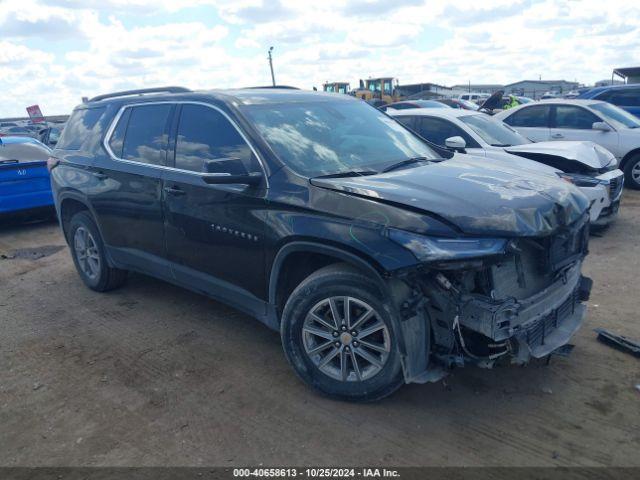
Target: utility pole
(273,78)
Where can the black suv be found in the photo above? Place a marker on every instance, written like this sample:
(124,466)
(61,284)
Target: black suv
(379,262)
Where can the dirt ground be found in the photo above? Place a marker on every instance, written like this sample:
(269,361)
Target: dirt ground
(155,375)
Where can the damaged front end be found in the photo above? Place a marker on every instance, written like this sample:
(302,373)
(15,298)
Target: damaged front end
(518,299)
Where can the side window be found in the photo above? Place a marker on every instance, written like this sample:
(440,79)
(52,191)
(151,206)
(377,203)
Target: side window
(117,137)
(569,116)
(535,116)
(407,121)
(437,131)
(145,140)
(629,97)
(204,135)
(79,127)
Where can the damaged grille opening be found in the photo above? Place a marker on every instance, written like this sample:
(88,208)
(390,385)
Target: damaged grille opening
(517,302)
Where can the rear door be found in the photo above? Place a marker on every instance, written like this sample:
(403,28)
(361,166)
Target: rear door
(128,197)
(214,233)
(625,98)
(531,121)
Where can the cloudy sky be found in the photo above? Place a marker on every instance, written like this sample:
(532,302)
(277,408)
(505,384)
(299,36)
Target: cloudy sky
(56,51)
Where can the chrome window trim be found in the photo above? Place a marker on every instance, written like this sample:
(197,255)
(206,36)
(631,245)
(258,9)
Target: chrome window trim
(116,119)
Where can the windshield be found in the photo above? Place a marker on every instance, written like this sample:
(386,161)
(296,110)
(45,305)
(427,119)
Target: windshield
(494,132)
(617,116)
(330,137)
(469,105)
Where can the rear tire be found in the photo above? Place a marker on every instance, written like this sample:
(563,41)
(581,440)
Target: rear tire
(355,358)
(88,253)
(632,172)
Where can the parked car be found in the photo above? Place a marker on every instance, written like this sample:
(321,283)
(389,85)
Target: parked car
(607,125)
(328,221)
(474,97)
(626,97)
(587,165)
(50,134)
(17,132)
(24,179)
(413,104)
(457,103)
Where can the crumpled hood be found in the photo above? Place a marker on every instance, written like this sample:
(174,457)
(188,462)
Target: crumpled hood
(478,196)
(588,153)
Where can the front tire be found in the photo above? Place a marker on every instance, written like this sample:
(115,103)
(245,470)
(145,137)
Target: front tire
(88,253)
(632,172)
(338,335)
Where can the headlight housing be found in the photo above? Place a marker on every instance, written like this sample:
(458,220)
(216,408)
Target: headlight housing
(580,180)
(429,249)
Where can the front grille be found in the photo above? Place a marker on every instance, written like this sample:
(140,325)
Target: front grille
(536,333)
(615,187)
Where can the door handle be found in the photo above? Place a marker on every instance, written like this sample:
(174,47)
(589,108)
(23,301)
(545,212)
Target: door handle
(101,175)
(174,191)
(557,135)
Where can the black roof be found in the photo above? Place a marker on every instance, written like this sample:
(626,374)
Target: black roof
(627,72)
(244,96)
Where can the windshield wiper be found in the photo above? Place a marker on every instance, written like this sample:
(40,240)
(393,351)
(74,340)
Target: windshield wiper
(501,145)
(349,173)
(408,161)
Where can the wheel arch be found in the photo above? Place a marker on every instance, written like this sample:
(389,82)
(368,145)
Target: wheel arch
(628,156)
(287,271)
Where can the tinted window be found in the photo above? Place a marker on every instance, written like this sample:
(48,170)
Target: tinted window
(117,137)
(204,134)
(437,130)
(536,116)
(627,97)
(79,127)
(569,116)
(493,131)
(616,116)
(407,121)
(146,139)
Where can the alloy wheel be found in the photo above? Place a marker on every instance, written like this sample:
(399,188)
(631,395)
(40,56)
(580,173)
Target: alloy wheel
(346,339)
(86,252)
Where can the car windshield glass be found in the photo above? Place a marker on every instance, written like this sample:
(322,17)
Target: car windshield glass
(617,116)
(493,132)
(329,137)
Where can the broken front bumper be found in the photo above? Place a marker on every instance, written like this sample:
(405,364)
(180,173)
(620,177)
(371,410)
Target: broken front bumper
(537,325)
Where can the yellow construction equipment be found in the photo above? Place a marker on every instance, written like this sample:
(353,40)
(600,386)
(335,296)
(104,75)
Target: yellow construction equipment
(336,87)
(383,88)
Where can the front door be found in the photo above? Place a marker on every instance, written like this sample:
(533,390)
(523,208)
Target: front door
(214,233)
(571,122)
(127,197)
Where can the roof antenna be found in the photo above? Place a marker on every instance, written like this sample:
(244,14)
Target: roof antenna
(273,78)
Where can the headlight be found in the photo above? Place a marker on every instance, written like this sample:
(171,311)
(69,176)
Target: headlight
(581,180)
(427,249)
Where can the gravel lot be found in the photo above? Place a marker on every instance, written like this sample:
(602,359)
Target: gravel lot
(155,375)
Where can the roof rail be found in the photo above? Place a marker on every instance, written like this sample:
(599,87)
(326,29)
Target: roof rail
(286,87)
(140,91)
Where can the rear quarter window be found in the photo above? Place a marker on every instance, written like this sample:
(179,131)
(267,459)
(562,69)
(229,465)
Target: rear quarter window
(80,128)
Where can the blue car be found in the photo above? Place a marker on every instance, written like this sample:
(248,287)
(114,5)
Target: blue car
(24,178)
(626,97)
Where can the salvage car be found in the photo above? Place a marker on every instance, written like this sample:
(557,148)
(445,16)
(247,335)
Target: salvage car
(600,122)
(327,220)
(24,179)
(587,165)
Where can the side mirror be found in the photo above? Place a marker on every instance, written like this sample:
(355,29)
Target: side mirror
(601,126)
(455,143)
(225,171)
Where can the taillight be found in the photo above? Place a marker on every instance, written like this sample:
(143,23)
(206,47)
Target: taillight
(52,162)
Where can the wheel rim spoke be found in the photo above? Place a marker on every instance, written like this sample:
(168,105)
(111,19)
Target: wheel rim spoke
(320,348)
(344,373)
(322,321)
(373,346)
(334,312)
(372,329)
(356,367)
(362,318)
(329,357)
(318,333)
(368,357)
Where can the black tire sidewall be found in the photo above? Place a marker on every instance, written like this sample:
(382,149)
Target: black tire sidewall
(83,219)
(301,301)
(629,181)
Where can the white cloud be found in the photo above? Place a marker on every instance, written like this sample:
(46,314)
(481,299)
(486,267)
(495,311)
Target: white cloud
(57,51)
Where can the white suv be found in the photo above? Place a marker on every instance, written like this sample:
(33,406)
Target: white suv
(600,122)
